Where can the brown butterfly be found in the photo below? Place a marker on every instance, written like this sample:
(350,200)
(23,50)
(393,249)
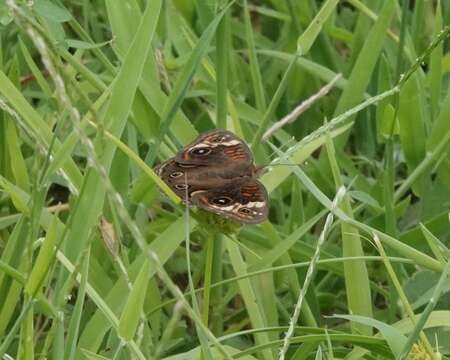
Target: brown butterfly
(216,172)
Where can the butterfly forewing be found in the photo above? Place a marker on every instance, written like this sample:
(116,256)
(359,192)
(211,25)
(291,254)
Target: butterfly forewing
(216,147)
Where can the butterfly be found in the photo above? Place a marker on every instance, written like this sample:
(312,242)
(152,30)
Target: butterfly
(216,173)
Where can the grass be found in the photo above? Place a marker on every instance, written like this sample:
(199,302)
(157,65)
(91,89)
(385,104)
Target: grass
(353,262)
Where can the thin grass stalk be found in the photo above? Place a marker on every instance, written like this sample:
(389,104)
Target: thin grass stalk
(437,247)
(373,16)
(330,345)
(283,268)
(74,324)
(339,121)
(175,290)
(445,32)
(83,34)
(255,71)
(254,308)
(302,107)
(402,295)
(206,351)
(223,52)
(13,273)
(310,274)
(309,36)
(353,339)
(388,200)
(274,103)
(208,277)
(26,336)
(35,69)
(58,342)
(169,330)
(436,76)
(217,318)
(118,350)
(356,275)
(131,315)
(293,13)
(424,165)
(389,170)
(207,282)
(425,314)
(15,328)
(283,256)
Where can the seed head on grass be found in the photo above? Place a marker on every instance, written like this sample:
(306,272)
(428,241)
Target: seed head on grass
(310,273)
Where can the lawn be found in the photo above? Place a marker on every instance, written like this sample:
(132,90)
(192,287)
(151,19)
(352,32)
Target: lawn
(344,105)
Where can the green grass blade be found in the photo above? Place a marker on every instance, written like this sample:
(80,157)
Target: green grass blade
(363,68)
(308,37)
(44,260)
(435,76)
(356,275)
(255,312)
(394,337)
(115,115)
(75,321)
(131,314)
(412,125)
(33,122)
(273,103)
(224,48)
(255,70)
(185,78)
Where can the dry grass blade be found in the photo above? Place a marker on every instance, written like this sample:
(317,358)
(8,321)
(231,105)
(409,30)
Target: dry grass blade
(310,273)
(302,107)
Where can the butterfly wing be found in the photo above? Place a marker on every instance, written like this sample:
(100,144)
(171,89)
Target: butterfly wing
(244,200)
(185,179)
(216,172)
(217,148)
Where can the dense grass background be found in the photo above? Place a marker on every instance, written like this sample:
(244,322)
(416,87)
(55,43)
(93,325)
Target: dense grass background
(96,264)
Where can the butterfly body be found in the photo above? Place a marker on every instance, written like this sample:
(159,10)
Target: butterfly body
(216,172)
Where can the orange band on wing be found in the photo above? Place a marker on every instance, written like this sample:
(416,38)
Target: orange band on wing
(235,152)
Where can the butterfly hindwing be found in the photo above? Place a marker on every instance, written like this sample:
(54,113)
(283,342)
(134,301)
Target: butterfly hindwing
(244,200)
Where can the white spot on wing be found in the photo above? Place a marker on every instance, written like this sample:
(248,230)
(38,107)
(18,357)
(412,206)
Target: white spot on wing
(201,145)
(230,143)
(160,169)
(256,204)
